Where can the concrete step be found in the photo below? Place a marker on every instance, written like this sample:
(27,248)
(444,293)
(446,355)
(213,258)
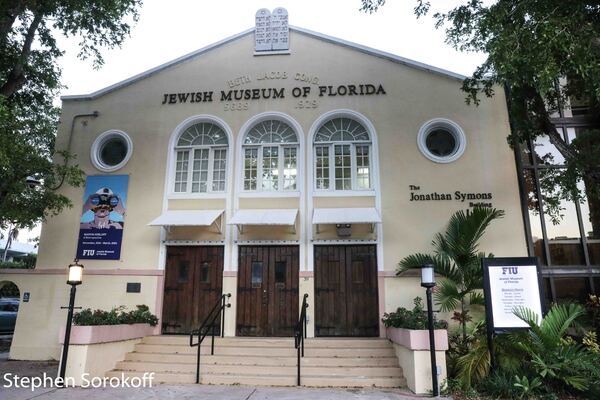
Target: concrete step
(271,380)
(268,342)
(332,371)
(163,377)
(289,351)
(263,360)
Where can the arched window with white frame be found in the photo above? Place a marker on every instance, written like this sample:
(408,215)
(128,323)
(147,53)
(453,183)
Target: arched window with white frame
(201,159)
(342,155)
(270,151)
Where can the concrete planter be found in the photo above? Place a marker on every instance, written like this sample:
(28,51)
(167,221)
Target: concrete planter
(106,333)
(418,339)
(96,349)
(412,349)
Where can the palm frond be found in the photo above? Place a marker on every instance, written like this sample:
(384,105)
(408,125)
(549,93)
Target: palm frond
(414,261)
(464,231)
(476,298)
(560,318)
(447,295)
(475,365)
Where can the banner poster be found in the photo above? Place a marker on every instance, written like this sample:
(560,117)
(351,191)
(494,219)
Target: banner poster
(511,283)
(102,218)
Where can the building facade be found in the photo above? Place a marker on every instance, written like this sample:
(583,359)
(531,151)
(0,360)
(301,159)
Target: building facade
(268,174)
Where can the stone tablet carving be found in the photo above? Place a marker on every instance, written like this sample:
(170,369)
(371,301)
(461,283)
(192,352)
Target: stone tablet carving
(262,30)
(280,31)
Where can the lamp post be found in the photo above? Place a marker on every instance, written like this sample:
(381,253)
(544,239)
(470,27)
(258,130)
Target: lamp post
(74,279)
(428,282)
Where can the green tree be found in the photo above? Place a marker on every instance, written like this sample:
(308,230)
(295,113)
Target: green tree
(531,46)
(29,83)
(456,257)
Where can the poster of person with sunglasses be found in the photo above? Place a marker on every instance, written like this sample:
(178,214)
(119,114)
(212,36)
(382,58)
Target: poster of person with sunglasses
(102,218)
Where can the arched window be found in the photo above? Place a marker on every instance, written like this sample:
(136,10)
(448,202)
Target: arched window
(342,149)
(201,159)
(270,151)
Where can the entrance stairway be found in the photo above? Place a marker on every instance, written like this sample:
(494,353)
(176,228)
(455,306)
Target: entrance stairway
(335,362)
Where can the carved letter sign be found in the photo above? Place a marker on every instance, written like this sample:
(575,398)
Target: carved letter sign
(262,31)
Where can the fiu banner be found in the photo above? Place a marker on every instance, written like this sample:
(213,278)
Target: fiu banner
(102,218)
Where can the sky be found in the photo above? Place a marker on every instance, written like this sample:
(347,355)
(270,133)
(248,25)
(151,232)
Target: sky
(168,29)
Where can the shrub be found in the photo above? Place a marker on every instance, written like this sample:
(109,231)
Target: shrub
(593,309)
(116,316)
(16,265)
(500,384)
(560,362)
(412,319)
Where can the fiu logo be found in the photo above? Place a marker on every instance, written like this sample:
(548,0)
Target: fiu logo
(510,270)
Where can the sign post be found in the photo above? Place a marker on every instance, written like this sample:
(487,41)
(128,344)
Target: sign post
(509,283)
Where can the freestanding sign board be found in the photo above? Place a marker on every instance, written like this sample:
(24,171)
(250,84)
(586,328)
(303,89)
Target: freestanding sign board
(510,283)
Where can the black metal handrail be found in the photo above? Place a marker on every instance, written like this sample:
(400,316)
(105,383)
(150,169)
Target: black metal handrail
(209,325)
(300,333)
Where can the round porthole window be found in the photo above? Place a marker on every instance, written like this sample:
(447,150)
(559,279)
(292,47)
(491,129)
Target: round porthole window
(441,140)
(111,150)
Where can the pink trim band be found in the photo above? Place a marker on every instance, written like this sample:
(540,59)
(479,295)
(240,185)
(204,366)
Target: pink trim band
(63,271)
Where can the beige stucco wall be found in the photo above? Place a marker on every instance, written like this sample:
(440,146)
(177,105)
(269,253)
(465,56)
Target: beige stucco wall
(413,96)
(40,319)
(416,367)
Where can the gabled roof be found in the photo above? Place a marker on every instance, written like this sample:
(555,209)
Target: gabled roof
(323,37)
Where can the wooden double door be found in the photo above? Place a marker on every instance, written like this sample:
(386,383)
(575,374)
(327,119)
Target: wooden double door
(193,284)
(267,296)
(346,295)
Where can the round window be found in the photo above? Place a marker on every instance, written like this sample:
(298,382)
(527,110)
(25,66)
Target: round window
(441,140)
(111,150)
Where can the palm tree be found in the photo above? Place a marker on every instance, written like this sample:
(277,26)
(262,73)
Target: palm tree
(456,257)
(13,233)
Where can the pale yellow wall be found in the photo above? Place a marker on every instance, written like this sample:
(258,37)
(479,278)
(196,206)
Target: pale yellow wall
(203,204)
(40,319)
(307,286)
(230,286)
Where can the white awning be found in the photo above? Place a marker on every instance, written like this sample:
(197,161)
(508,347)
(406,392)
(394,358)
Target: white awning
(268,216)
(188,218)
(345,216)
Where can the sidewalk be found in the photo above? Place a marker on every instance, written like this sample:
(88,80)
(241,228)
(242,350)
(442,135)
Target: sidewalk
(208,392)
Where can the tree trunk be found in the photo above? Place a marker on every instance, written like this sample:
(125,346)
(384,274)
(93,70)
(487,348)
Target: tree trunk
(593,205)
(463,322)
(16,78)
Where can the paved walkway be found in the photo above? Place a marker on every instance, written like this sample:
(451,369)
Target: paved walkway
(208,392)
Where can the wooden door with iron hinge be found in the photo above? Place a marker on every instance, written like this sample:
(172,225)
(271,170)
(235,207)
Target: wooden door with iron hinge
(193,284)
